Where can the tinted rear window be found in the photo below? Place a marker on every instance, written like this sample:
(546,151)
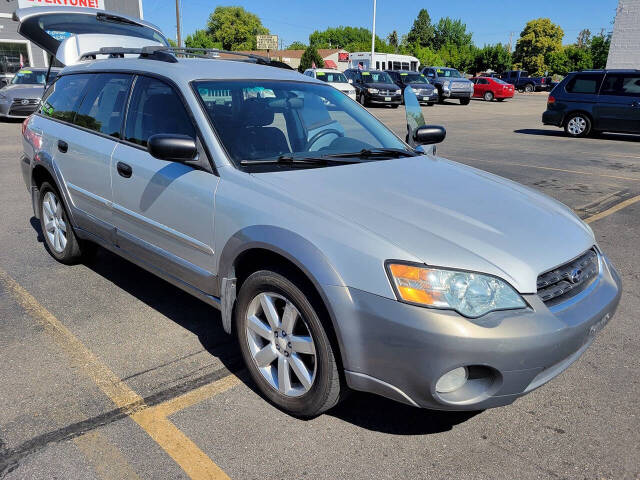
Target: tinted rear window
(585,84)
(624,84)
(102,108)
(63,98)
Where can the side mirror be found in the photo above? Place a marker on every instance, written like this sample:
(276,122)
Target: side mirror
(172,147)
(350,81)
(429,135)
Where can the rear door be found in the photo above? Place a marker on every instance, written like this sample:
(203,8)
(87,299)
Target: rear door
(85,113)
(618,107)
(163,211)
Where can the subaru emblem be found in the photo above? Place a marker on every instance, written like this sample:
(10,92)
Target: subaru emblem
(575,275)
(24,101)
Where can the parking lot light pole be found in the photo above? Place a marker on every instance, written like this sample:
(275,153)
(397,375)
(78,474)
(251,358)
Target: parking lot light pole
(179,36)
(373,36)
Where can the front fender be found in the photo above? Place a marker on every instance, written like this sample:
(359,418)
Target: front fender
(295,248)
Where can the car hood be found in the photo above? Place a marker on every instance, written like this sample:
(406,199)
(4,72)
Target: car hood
(382,86)
(23,91)
(447,214)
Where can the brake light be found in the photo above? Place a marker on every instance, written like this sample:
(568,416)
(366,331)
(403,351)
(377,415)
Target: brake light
(544,80)
(551,100)
(25,123)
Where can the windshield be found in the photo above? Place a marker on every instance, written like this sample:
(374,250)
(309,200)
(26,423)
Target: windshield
(376,77)
(332,77)
(264,120)
(449,73)
(413,78)
(30,77)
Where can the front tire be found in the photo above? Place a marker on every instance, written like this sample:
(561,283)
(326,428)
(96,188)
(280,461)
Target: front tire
(363,100)
(488,96)
(284,344)
(465,101)
(577,125)
(59,238)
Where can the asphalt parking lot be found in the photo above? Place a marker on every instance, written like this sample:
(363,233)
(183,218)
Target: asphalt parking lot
(108,372)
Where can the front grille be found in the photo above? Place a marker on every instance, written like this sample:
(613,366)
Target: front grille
(387,92)
(459,86)
(29,101)
(569,279)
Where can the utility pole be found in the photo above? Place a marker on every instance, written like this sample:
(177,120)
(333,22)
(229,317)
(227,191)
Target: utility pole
(179,38)
(510,41)
(373,37)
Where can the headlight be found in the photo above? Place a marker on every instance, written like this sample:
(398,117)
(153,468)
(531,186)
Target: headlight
(470,294)
(446,83)
(398,92)
(372,90)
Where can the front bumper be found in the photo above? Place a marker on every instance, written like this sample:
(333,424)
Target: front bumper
(384,99)
(400,351)
(457,93)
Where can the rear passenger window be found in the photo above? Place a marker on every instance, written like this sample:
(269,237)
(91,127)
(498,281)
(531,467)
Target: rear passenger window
(102,108)
(155,108)
(63,98)
(627,85)
(585,84)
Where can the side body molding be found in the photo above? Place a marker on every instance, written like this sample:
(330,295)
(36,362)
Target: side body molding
(298,250)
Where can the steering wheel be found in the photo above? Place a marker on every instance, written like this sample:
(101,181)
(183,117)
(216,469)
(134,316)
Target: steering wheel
(321,134)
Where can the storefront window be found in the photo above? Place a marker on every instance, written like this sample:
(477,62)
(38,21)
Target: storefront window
(10,53)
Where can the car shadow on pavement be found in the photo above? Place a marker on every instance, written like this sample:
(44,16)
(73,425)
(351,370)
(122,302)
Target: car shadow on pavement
(365,410)
(380,414)
(560,133)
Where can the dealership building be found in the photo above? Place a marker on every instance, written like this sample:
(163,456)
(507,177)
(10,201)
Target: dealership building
(625,41)
(14,47)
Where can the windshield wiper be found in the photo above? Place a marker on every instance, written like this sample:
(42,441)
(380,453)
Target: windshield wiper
(291,160)
(376,153)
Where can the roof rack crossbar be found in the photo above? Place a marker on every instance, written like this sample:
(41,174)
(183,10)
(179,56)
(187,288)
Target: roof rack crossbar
(169,54)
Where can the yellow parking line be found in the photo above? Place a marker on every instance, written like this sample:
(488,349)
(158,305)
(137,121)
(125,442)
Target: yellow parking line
(184,452)
(613,209)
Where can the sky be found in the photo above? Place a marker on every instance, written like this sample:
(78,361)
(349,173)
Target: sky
(490,21)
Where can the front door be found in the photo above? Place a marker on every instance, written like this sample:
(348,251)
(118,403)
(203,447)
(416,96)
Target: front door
(618,107)
(163,211)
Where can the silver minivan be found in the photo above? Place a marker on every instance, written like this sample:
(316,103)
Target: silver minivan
(340,255)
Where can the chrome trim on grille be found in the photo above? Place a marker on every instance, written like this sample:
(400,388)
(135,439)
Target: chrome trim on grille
(569,279)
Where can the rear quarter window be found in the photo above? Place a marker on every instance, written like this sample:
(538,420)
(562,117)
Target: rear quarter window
(64,96)
(584,84)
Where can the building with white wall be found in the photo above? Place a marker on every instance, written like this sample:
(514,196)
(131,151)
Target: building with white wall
(625,42)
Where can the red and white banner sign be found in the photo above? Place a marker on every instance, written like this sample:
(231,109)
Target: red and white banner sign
(97,4)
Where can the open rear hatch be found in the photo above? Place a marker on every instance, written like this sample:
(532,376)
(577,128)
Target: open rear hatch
(68,33)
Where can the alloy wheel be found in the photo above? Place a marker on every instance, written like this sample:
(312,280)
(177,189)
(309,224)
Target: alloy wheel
(280,344)
(55,228)
(577,125)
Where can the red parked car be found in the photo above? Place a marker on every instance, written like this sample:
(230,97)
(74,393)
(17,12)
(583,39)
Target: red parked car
(490,88)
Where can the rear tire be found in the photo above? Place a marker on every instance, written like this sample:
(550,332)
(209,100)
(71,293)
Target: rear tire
(529,88)
(299,377)
(395,106)
(59,238)
(488,96)
(577,125)
(465,101)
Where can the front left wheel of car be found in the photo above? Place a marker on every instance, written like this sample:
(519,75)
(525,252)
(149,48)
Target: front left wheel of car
(285,345)
(465,101)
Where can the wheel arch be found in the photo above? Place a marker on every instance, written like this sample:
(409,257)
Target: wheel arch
(568,115)
(259,247)
(44,169)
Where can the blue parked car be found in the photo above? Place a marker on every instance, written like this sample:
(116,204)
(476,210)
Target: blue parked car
(596,101)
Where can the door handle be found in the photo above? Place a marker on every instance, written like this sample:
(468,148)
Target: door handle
(636,104)
(63,146)
(124,170)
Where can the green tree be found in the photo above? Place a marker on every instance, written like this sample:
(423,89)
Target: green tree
(458,57)
(493,57)
(600,49)
(584,38)
(539,38)
(451,32)
(309,57)
(235,28)
(421,33)
(393,40)
(579,58)
(428,56)
(297,46)
(172,42)
(201,39)
(558,62)
(350,38)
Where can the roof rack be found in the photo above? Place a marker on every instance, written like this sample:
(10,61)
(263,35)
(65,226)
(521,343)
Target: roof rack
(170,54)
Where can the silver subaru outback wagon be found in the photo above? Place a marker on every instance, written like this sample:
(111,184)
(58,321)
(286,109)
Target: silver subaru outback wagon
(340,255)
